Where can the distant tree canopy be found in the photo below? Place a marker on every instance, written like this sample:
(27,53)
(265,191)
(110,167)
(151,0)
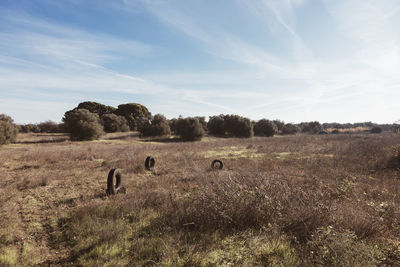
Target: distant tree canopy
(290,128)
(230,125)
(29,128)
(97,108)
(189,129)
(265,127)
(157,126)
(113,123)
(279,125)
(82,125)
(135,114)
(311,127)
(8,130)
(376,129)
(50,127)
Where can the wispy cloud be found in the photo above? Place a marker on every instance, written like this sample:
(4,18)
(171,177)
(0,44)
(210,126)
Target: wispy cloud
(269,64)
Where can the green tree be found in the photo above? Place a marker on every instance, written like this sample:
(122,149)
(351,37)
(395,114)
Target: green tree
(82,125)
(189,129)
(265,127)
(216,125)
(157,126)
(113,123)
(312,127)
(290,128)
(135,114)
(97,108)
(238,126)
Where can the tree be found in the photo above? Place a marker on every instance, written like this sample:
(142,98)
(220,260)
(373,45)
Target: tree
(311,127)
(265,128)
(50,127)
(290,128)
(189,129)
(172,125)
(279,125)
(216,126)
(230,125)
(135,114)
(81,124)
(203,122)
(97,108)
(8,130)
(238,126)
(29,128)
(157,126)
(376,130)
(113,123)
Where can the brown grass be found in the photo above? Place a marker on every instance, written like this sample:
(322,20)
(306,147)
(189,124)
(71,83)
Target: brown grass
(284,201)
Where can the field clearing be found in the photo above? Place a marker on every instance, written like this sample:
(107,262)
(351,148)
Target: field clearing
(282,201)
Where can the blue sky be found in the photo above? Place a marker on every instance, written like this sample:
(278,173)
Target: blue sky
(294,60)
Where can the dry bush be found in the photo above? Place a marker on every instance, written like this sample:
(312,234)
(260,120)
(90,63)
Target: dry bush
(8,130)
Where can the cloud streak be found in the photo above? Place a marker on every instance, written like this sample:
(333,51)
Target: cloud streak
(267,65)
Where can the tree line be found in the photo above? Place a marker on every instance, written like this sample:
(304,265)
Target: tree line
(90,120)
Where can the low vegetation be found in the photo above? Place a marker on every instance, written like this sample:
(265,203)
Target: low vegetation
(303,200)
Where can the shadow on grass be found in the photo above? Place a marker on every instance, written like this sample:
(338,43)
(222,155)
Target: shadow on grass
(163,140)
(122,137)
(44,141)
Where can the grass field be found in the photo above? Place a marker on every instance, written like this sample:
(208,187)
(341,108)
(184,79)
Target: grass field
(302,200)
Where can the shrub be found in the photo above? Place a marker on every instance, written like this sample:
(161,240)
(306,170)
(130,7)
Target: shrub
(331,248)
(376,130)
(158,126)
(8,130)
(135,114)
(290,128)
(265,128)
(81,124)
(113,123)
(215,125)
(189,129)
(238,126)
(230,125)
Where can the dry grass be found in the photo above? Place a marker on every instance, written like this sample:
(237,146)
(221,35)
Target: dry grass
(285,201)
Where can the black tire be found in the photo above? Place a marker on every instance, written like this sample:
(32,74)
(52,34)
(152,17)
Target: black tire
(111,187)
(218,166)
(149,163)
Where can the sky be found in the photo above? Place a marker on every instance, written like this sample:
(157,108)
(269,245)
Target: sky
(293,60)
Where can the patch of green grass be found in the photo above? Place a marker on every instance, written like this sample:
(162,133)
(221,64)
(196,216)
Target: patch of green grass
(9,256)
(232,152)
